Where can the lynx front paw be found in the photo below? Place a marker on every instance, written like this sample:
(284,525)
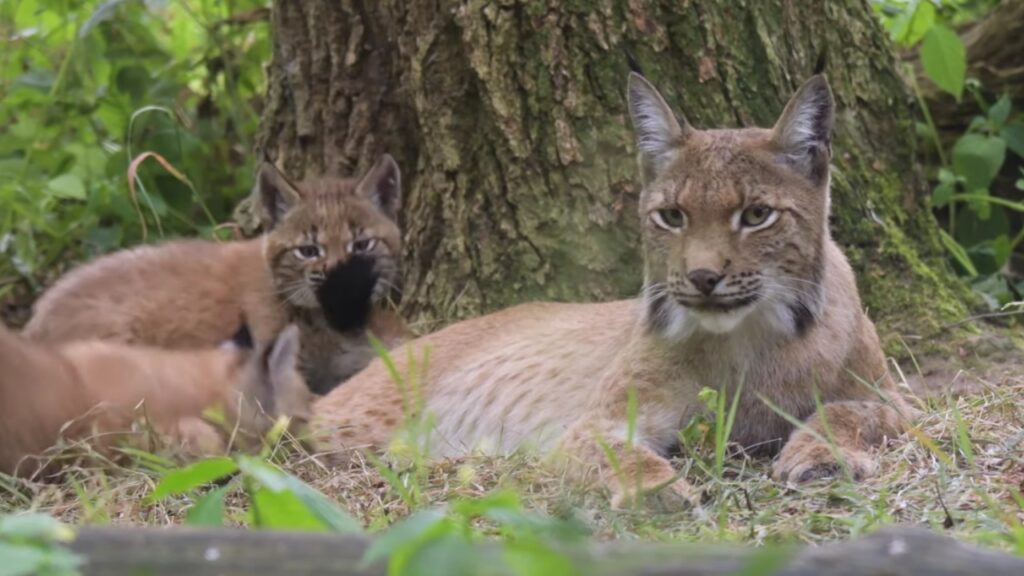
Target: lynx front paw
(806,459)
(675,497)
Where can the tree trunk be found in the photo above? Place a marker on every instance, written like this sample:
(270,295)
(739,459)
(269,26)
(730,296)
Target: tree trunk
(509,121)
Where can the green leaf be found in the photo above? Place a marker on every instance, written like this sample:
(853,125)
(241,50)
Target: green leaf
(35,527)
(978,159)
(1013,134)
(193,476)
(208,510)
(448,554)
(942,194)
(283,511)
(22,560)
(944,59)
(67,186)
(958,252)
(999,111)
(401,534)
(1001,250)
(919,23)
(993,289)
(531,556)
(972,229)
(315,503)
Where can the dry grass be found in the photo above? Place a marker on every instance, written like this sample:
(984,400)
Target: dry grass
(960,472)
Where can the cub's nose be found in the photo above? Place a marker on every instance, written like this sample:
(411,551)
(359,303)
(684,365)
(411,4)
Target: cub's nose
(316,277)
(704,280)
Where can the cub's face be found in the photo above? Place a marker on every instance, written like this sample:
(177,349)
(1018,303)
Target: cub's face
(333,243)
(734,221)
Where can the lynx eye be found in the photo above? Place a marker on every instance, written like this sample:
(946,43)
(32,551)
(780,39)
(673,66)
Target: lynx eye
(309,252)
(671,219)
(362,246)
(755,216)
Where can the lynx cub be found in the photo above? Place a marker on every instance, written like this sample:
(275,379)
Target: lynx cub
(94,389)
(327,264)
(743,284)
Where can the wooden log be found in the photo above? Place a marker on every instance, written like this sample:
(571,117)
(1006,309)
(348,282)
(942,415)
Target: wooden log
(897,551)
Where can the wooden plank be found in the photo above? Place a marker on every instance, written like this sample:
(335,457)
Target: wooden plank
(117,551)
(898,551)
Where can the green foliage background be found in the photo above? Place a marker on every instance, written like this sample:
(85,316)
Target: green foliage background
(967,194)
(85,86)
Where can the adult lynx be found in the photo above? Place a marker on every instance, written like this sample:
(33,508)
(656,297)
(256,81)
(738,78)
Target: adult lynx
(743,284)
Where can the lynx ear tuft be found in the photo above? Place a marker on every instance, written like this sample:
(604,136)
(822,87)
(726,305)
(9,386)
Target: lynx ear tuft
(804,131)
(658,132)
(383,186)
(277,194)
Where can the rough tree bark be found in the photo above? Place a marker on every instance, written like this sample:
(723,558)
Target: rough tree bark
(509,121)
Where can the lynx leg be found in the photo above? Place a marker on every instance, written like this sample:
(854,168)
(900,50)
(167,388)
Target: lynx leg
(855,427)
(634,472)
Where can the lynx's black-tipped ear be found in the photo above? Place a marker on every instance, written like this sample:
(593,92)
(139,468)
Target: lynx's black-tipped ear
(631,61)
(658,132)
(383,186)
(804,131)
(277,194)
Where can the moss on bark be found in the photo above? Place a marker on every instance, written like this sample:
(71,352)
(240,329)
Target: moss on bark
(508,119)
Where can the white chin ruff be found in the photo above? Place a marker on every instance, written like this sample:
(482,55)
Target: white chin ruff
(721,322)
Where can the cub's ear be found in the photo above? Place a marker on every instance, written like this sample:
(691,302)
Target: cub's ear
(658,132)
(277,194)
(291,395)
(804,131)
(282,360)
(382,185)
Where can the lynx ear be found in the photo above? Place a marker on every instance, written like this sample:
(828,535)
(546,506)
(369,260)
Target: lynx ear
(658,132)
(277,194)
(283,357)
(804,131)
(290,394)
(382,185)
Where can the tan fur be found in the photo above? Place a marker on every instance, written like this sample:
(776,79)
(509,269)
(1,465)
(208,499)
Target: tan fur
(558,375)
(192,293)
(97,390)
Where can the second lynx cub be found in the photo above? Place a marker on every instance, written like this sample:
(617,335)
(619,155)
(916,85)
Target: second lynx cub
(328,264)
(96,390)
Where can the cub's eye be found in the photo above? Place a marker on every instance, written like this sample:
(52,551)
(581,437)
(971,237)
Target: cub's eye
(671,219)
(755,216)
(362,246)
(309,251)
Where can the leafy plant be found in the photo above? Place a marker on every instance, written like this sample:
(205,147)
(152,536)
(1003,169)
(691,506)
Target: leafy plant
(429,541)
(85,86)
(977,233)
(30,544)
(435,542)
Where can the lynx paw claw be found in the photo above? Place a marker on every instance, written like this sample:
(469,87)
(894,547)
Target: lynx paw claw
(676,497)
(806,461)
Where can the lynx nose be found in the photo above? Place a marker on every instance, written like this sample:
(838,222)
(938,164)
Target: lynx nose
(704,280)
